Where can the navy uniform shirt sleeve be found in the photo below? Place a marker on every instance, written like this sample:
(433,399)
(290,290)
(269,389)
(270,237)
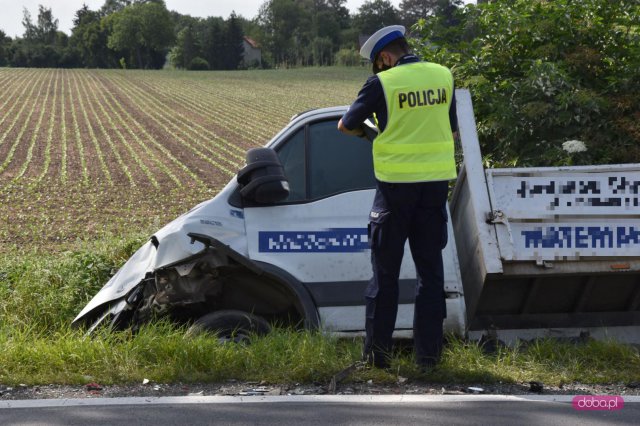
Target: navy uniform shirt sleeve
(453,115)
(370,100)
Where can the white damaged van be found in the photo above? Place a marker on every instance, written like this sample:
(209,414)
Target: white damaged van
(284,242)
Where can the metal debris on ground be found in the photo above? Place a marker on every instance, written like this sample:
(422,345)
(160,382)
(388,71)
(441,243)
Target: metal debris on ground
(454,392)
(341,375)
(259,391)
(53,391)
(93,387)
(536,387)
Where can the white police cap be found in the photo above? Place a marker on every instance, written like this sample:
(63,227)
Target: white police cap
(380,39)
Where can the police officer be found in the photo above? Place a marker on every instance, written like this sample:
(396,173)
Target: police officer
(414,107)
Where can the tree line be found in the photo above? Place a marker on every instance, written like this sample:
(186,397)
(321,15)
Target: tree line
(145,34)
(553,82)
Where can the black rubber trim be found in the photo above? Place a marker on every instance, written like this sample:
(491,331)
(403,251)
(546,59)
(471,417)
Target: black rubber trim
(351,293)
(556,320)
(225,249)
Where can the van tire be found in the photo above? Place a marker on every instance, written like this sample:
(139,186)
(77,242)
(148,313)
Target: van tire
(230,325)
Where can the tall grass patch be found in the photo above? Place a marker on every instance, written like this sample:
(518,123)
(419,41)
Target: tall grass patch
(162,353)
(551,361)
(44,292)
(41,293)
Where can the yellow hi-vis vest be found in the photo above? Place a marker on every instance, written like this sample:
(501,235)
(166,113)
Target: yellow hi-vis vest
(417,143)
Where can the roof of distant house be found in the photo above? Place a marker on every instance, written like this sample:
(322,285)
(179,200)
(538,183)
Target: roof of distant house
(251,42)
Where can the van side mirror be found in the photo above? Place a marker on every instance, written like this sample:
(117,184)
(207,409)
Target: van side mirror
(263,179)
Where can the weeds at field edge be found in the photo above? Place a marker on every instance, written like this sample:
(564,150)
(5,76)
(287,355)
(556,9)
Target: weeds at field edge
(40,295)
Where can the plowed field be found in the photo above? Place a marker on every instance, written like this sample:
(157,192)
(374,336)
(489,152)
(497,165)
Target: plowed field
(85,153)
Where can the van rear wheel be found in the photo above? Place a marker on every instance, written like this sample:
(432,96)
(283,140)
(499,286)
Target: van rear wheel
(230,325)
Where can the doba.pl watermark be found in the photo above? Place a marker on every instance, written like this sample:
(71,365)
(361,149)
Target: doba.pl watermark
(594,402)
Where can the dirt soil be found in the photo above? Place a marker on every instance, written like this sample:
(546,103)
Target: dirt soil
(236,388)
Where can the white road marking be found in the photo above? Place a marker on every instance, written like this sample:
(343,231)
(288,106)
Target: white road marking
(347,399)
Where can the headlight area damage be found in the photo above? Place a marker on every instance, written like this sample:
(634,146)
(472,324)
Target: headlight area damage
(215,289)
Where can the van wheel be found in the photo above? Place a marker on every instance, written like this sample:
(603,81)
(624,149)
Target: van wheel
(230,326)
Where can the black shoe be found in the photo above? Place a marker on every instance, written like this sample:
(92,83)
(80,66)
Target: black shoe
(376,360)
(427,366)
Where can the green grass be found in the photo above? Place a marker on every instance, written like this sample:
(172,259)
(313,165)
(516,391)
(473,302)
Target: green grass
(161,353)
(41,293)
(45,291)
(550,361)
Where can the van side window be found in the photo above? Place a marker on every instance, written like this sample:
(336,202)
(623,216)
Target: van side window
(320,161)
(337,162)
(292,157)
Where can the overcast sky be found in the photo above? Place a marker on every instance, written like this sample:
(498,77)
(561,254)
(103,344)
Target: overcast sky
(63,10)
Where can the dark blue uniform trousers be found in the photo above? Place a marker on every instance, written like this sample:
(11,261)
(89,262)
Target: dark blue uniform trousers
(416,211)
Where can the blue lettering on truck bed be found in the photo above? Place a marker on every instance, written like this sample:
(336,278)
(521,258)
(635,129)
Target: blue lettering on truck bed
(335,240)
(582,237)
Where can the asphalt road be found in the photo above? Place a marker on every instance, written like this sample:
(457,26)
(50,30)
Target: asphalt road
(285,411)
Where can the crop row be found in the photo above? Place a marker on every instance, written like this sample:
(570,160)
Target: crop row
(87,153)
(166,123)
(155,152)
(27,131)
(70,120)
